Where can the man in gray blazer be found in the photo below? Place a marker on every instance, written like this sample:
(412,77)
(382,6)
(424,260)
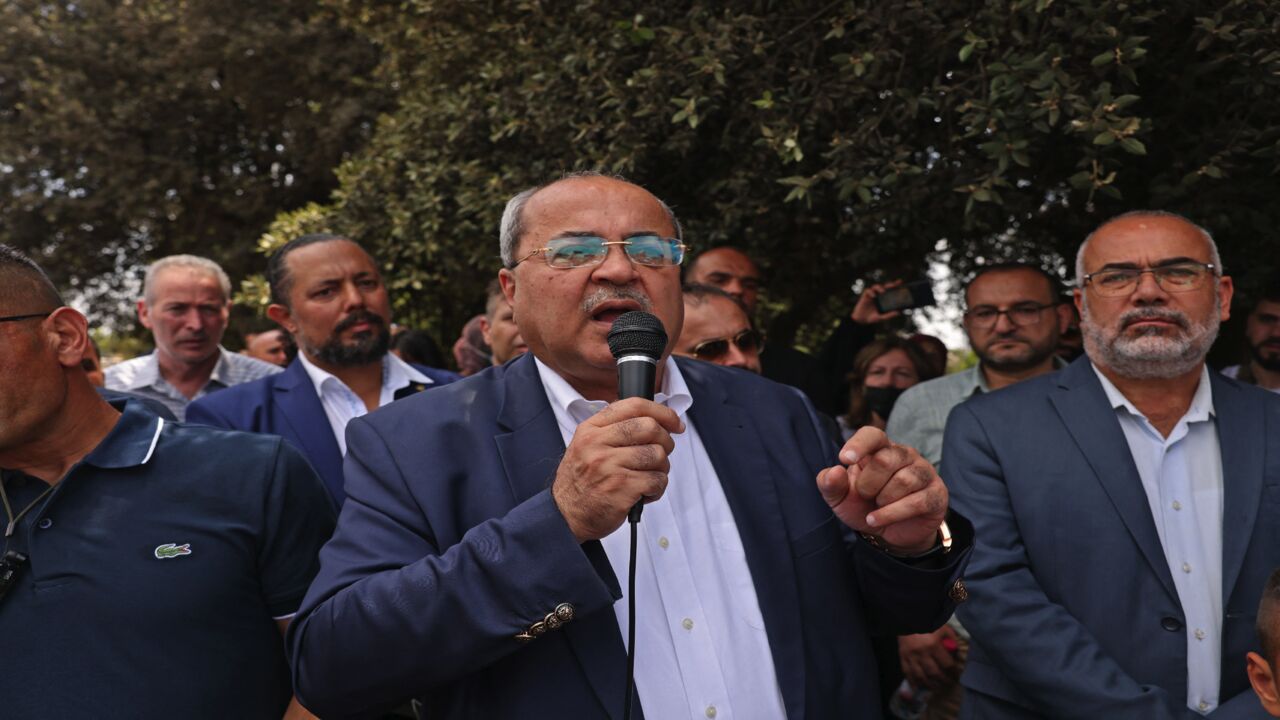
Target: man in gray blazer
(1127,508)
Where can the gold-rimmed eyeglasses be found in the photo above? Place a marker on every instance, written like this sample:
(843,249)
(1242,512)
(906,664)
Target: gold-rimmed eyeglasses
(587,250)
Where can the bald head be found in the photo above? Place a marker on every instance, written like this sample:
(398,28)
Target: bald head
(24,288)
(1140,223)
(729,269)
(514,224)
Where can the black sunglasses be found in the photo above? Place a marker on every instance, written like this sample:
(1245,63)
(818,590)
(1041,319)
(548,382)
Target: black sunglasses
(711,350)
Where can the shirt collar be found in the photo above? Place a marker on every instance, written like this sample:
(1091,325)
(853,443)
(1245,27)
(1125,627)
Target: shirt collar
(132,441)
(222,370)
(1201,407)
(569,403)
(396,373)
(978,381)
(148,374)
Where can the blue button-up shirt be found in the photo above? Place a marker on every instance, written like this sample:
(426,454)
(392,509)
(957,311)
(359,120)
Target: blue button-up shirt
(1182,476)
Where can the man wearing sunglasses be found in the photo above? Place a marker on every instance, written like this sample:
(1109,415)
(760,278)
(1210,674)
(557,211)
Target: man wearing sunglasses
(480,562)
(1125,506)
(717,329)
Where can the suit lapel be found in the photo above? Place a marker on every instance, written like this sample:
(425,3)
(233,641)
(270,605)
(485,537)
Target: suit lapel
(734,446)
(1092,423)
(1241,421)
(530,447)
(308,427)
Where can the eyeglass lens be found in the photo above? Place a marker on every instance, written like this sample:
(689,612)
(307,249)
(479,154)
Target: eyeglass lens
(1171,278)
(642,249)
(1019,315)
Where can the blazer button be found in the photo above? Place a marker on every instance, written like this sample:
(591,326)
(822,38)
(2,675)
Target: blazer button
(1172,624)
(958,593)
(564,611)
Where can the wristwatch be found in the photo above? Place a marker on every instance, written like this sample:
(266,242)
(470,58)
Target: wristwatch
(941,547)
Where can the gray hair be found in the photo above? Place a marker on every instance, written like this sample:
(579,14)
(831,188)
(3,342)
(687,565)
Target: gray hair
(1214,257)
(512,227)
(193,262)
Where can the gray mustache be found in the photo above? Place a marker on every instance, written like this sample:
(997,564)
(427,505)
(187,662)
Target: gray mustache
(604,295)
(1141,314)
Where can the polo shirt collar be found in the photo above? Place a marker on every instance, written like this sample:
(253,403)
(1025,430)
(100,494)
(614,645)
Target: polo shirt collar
(132,440)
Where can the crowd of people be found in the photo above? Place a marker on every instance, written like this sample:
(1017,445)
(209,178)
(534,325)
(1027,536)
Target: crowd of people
(1083,523)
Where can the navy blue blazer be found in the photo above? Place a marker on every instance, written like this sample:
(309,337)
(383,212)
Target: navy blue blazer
(1072,607)
(286,404)
(450,545)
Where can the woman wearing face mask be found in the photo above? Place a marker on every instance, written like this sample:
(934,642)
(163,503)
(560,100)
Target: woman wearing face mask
(881,371)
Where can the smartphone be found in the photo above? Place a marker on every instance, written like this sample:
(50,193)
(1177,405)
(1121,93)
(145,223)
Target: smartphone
(904,297)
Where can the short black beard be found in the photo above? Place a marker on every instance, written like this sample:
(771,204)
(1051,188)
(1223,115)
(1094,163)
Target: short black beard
(1017,366)
(1270,364)
(363,351)
(1038,356)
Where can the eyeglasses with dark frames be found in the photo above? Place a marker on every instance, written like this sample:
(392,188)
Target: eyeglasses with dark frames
(1021,315)
(1173,278)
(569,252)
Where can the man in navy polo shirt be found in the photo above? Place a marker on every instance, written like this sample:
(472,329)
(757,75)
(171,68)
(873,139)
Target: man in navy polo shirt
(148,567)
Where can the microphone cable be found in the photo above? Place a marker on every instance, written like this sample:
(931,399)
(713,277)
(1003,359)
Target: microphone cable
(633,519)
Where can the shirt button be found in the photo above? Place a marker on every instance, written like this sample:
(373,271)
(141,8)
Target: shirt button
(663,542)
(45,523)
(1203,706)
(1199,634)
(711,711)
(687,623)
(1186,567)
(1177,505)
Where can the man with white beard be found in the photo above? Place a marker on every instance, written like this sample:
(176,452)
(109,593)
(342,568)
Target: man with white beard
(1127,508)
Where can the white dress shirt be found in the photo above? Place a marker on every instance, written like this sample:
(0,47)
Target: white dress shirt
(341,404)
(701,647)
(1182,476)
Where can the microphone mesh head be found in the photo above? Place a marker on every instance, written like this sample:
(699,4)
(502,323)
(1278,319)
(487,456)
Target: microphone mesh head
(637,333)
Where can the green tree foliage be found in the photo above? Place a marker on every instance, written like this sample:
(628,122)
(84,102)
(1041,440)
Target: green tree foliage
(131,129)
(834,140)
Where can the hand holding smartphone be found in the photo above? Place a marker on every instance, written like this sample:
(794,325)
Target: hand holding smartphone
(905,297)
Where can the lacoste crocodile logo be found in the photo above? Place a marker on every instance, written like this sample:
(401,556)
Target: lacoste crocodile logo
(172,550)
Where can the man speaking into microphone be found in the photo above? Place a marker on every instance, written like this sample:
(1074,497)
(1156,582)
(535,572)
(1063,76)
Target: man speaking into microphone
(477,561)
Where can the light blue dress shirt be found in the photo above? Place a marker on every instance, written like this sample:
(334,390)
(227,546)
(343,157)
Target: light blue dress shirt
(1182,477)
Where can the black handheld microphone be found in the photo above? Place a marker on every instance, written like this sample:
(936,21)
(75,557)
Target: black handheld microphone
(637,340)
